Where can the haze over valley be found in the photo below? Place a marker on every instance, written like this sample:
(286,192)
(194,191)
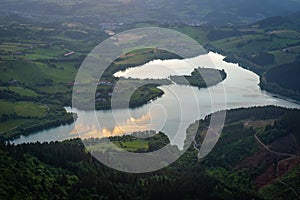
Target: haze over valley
(219,120)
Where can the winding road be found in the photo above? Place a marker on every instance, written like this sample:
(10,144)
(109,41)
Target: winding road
(268,148)
(290,157)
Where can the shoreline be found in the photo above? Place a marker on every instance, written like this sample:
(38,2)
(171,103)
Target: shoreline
(271,95)
(277,92)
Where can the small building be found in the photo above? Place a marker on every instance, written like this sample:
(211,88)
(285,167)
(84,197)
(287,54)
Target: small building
(107,83)
(69,54)
(110,33)
(13,82)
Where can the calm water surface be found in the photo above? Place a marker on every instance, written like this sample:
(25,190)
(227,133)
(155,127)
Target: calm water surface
(176,109)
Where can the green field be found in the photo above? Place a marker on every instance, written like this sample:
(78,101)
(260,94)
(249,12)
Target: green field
(249,44)
(21,91)
(256,155)
(198,34)
(44,53)
(282,57)
(10,124)
(11,47)
(33,55)
(131,146)
(292,34)
(22,108)
(38,63)
(36,73)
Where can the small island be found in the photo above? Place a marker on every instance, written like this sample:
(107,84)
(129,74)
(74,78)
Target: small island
(201,77)
(144,91)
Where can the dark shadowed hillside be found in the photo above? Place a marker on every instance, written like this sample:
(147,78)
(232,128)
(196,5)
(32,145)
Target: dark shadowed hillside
(257,157)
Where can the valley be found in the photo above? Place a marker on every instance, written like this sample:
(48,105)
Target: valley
(48,147)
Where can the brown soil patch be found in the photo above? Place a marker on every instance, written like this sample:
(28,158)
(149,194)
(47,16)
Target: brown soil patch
(285,166)
(259,123)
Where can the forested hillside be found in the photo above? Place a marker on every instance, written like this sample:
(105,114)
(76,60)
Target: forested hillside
(239,167)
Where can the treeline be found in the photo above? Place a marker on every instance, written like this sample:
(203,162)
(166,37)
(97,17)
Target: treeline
(145,94)
(222,34)
(140,97)
(255,113)
(286,124)
(283,80)
(262,59)
(51,61)
(286,76)
(242,61)
(143,56)
(57,116)
(66,171)
(13,96)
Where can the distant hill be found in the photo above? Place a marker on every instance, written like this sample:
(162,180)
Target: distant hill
(283,78)
(273,22)
(212,11)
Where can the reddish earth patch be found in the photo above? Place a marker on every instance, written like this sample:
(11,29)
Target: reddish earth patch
(260,158)
(287,165)
(268,177)
(269,160)
(259,123)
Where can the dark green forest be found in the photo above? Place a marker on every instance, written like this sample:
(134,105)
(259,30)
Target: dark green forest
(42,46)
(65,170)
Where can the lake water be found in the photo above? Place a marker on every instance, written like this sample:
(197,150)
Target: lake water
(179,107)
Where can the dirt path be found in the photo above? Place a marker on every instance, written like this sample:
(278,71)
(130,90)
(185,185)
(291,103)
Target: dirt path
(290,157)
(271,151)
(196,145)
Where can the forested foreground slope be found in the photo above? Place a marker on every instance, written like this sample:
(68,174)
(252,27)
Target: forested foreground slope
(256,157)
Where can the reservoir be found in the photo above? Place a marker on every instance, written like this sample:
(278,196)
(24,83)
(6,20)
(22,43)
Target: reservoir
(172,113)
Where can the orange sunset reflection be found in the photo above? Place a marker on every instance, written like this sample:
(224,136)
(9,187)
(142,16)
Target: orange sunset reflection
(93,130)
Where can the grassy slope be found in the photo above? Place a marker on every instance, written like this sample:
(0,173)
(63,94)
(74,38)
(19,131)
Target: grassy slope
(37,62)
(273,37)
(21,91)
(22,108)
